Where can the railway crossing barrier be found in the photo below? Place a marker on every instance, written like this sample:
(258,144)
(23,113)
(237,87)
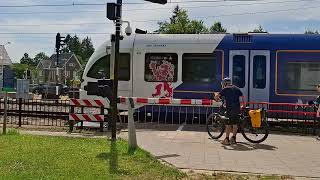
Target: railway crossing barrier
(88,116)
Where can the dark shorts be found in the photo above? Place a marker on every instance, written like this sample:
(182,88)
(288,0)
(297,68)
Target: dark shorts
(233,117)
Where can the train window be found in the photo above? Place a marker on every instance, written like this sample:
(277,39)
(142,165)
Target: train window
(301,76)
(161,67)
(259,72)
(199,68)
(101,68)
(124,67)
(239,71)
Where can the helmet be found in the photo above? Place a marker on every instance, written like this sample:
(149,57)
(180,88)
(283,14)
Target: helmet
(225,81)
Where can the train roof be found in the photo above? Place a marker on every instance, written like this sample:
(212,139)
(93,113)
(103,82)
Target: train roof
(227,41)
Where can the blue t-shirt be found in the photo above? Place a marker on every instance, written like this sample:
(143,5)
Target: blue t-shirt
(231,95)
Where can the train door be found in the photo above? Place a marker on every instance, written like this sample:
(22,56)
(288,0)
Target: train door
(259,75)
(239,69)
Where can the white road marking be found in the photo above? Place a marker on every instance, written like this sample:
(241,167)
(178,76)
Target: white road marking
(181,127)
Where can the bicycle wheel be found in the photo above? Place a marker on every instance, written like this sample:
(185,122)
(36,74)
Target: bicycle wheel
(215,127)
(254,135)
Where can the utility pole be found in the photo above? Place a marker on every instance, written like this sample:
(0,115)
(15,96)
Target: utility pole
(116,64)
(57,74)
(4,131)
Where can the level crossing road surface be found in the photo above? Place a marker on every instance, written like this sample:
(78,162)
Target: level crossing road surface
(189,147)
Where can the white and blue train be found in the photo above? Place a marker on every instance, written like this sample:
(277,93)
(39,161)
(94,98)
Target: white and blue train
(266,67)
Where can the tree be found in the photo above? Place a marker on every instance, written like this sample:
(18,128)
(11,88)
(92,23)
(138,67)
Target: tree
(19,69)
(87,50)
(39,57)
(26,59)
(308,31)
(83,49)
(259,29)
(181,24)
(217,28)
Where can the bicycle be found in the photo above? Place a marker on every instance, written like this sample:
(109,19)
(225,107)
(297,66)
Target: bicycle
(216,125)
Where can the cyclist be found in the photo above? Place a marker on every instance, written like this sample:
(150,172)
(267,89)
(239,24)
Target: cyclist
(231,94)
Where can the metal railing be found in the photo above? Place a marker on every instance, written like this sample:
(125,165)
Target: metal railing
(22,112)
(299,118)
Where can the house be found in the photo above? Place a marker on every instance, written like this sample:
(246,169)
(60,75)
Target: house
(68,64)
(6,74)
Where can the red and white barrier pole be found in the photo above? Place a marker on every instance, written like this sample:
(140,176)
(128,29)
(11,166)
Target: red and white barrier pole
(169,101)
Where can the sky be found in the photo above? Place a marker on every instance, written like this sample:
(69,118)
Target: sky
(32,29)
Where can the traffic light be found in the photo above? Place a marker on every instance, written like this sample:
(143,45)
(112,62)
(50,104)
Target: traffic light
(112,13)
(158,1)
(60,41)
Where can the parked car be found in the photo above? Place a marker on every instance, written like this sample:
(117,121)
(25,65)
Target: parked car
(49,90)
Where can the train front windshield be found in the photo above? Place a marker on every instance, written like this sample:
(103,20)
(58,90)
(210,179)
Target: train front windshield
(100,69)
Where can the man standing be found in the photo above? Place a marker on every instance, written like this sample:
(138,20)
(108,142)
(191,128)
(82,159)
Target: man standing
(231,95)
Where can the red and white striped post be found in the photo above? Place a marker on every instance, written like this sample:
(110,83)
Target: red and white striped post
(73,117)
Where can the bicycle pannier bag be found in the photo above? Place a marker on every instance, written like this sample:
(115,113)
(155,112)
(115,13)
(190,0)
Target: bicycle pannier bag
(255,116)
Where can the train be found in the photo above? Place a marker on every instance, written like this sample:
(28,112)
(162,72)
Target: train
(282,68)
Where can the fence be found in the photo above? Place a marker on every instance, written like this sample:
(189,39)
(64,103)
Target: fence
(285,117)
(290,117)
(300,118)
(23,112)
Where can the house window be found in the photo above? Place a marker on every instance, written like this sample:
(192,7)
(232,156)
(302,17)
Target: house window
(199,68)
(71,64)
(161,67)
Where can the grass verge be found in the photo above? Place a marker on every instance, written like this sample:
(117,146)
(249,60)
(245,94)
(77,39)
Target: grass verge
(10,132)
(44,157)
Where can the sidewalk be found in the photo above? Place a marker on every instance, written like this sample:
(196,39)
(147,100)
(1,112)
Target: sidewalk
(298,156)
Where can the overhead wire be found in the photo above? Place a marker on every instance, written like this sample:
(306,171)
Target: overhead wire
(100,4)
(150,20)
(149,9)
(159,20)
(49,33)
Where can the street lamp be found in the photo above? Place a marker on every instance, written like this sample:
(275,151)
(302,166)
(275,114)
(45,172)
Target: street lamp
(2,67)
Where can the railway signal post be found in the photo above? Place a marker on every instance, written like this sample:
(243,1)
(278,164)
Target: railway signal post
(60,41)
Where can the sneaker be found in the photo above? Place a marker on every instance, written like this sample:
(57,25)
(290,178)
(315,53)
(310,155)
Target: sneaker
(233,140)
(225,142)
